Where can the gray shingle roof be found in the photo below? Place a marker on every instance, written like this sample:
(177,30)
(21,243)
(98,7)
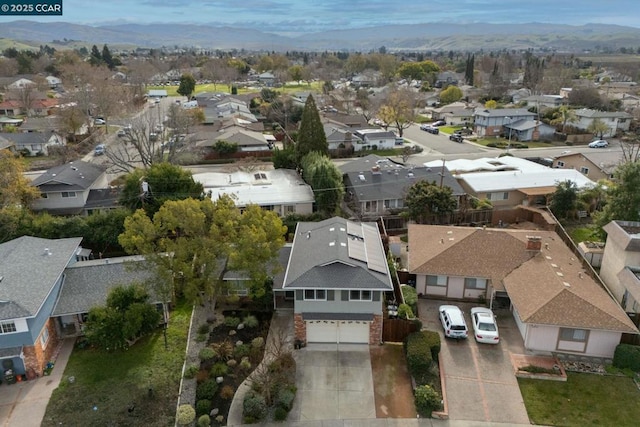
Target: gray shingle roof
(87,283)
(72,176)
(29,272)
(324,256)
(503,112)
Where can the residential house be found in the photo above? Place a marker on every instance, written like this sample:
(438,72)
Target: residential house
(558,308)
(491,122)
(21,83)
(365,80)
(595,165)
(88,283)
(31,275)
(446,78)
(267,79)
(616,121)
(376,187)
(246,140)
(517,95)
(40,124)
(278,190)
(337,276)
(157,93)
(338,137)
(34,143)
(620,269)
(65,189)
(630,101)
(543,101)
(351,121)
(529,130)
(53,82)
(371,139)
(455,114)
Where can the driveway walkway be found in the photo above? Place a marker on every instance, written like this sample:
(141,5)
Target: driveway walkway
(24,404)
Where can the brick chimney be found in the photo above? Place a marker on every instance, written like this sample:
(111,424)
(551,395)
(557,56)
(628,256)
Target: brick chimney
(534,243)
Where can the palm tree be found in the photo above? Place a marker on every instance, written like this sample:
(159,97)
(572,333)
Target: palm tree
(564,115)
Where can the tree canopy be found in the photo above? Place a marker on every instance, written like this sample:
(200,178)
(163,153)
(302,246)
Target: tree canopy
(425,200)
(194,243)
(622,196)
(311,136)
(450,94)
(15,189)
(398,110)
(187,85)
(564,200)
(326,181)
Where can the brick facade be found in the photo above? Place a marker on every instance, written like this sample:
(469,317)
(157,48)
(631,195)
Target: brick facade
(300,328)
(375,330)
(35,357)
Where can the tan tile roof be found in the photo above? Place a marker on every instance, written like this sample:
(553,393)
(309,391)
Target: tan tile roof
(531,279)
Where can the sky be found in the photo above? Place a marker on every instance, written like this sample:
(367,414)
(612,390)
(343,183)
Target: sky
(319,15)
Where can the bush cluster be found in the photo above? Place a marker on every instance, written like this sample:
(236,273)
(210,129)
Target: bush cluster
(251,321)
(418,353)
(405,312)
(410,296)
(231,322)
(427,400)
(433,339)
(254,407)
(206,354)
(207,390)
(191,371)
(220,369)
(204,421)
(186,414)
(627,356)
(202,407)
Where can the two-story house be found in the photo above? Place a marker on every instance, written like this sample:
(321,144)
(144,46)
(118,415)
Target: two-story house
(369,139)
(491,122)
(595,165)
(65,189)
(31,275)
(620,269)
(337,276)
(557,306)
(616,121)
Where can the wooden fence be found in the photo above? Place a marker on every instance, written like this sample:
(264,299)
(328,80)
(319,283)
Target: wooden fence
(396,330)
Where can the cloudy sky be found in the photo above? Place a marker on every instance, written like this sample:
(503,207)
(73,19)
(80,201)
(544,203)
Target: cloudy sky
(318,15)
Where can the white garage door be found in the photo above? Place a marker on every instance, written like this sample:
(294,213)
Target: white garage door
(333,331)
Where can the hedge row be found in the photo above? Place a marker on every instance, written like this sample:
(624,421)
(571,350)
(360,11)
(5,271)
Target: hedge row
(627,356)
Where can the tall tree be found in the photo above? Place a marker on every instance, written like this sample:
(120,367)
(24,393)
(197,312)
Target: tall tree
(15,189)
(107,58)
(194,243)
(96,57)
(450,94)
(623,197)
(326,181)
(469,69)
(187,85)
(425,201)
(398,109)
(564,200)
(563,116)
(311,136)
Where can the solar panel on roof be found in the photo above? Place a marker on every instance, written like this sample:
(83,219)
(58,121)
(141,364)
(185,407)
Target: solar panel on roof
(376,260)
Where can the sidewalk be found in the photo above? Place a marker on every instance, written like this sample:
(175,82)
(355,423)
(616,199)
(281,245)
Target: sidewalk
(25,403)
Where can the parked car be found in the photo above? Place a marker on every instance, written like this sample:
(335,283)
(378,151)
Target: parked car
(430,128)
(464,131)
(439,123)
(453,322)
(600,143)
(485,328)
(121,133)
(99,150)
(456,137)
(99,121)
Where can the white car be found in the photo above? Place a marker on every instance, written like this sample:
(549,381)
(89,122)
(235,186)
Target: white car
(600,143)
(485,329)
(452,321)
(99,122)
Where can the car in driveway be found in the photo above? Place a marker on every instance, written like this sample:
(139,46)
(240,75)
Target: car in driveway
(439,123)
(99,150)
(99,121)
(600,143)
(453,322)
(485,328)
(456,137)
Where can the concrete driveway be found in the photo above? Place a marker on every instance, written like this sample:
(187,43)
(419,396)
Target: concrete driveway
(479,378)
(334,382)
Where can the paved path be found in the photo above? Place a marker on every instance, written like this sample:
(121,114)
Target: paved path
(24,404)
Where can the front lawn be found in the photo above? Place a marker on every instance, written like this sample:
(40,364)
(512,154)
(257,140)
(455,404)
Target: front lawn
(134,387)
(585,399)
(290,87)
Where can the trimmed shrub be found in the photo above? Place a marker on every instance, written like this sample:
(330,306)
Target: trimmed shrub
(245,364)
(203,407)
(285,397)
(203,329)
(231,322)
(206,353)
(207,390)
(405,312)
(627,356)
(186,414)
(191,372)
(280,414)
(201,337)
(241,351)
(227,392)
(418,355)
(427,400)
(257,342)
(433,339)
(254,408)
(219,370)
(251,321)
(410,296)
(204,421)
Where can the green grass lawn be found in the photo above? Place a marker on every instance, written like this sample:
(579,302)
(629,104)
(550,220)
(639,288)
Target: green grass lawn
(107,384)
(580,234)
(585,399)
(210,87)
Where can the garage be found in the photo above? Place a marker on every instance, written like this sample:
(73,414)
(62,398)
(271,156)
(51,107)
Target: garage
(337,331)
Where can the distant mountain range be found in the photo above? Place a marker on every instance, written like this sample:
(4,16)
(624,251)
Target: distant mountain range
(436,36)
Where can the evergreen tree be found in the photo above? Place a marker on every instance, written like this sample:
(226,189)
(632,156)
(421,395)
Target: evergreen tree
(107,58)
(187,85)
(325,179)
(96,57)
(311,136)
(468,73)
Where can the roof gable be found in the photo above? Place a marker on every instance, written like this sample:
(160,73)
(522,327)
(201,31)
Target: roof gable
(78,174)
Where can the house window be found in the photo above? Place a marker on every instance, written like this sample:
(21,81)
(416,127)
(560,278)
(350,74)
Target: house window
(66,194)
(44,338)
(577,335)
(359,295)
(498,196)
(315,295)
(475,283)
(44,196)
(584,170)
(7,327)
(289,209)
(436,280)
(560,164)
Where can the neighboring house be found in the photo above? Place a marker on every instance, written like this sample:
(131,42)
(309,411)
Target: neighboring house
(370,139)
(337,276)
(455,114)
(53,82)
(65,189)
(157,93)
(630,101)
(620,269)
(338,137)
(350,121)
(376,187)
(517,95)
(557,307)
(34,143)
(102,200)
(40,124)
(529,130)
(87,285)
(225,108)
(267,79)
(492,122)
(37,107)
(547,101)
(364,80)
(246,140)
(278,190)
(446,78)
(31,276)
(21,84)
(616,121)
(595,165)
(509,182)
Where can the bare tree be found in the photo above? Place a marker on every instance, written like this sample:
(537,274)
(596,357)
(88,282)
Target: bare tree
(630,145)
(398,109)
(26,95)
